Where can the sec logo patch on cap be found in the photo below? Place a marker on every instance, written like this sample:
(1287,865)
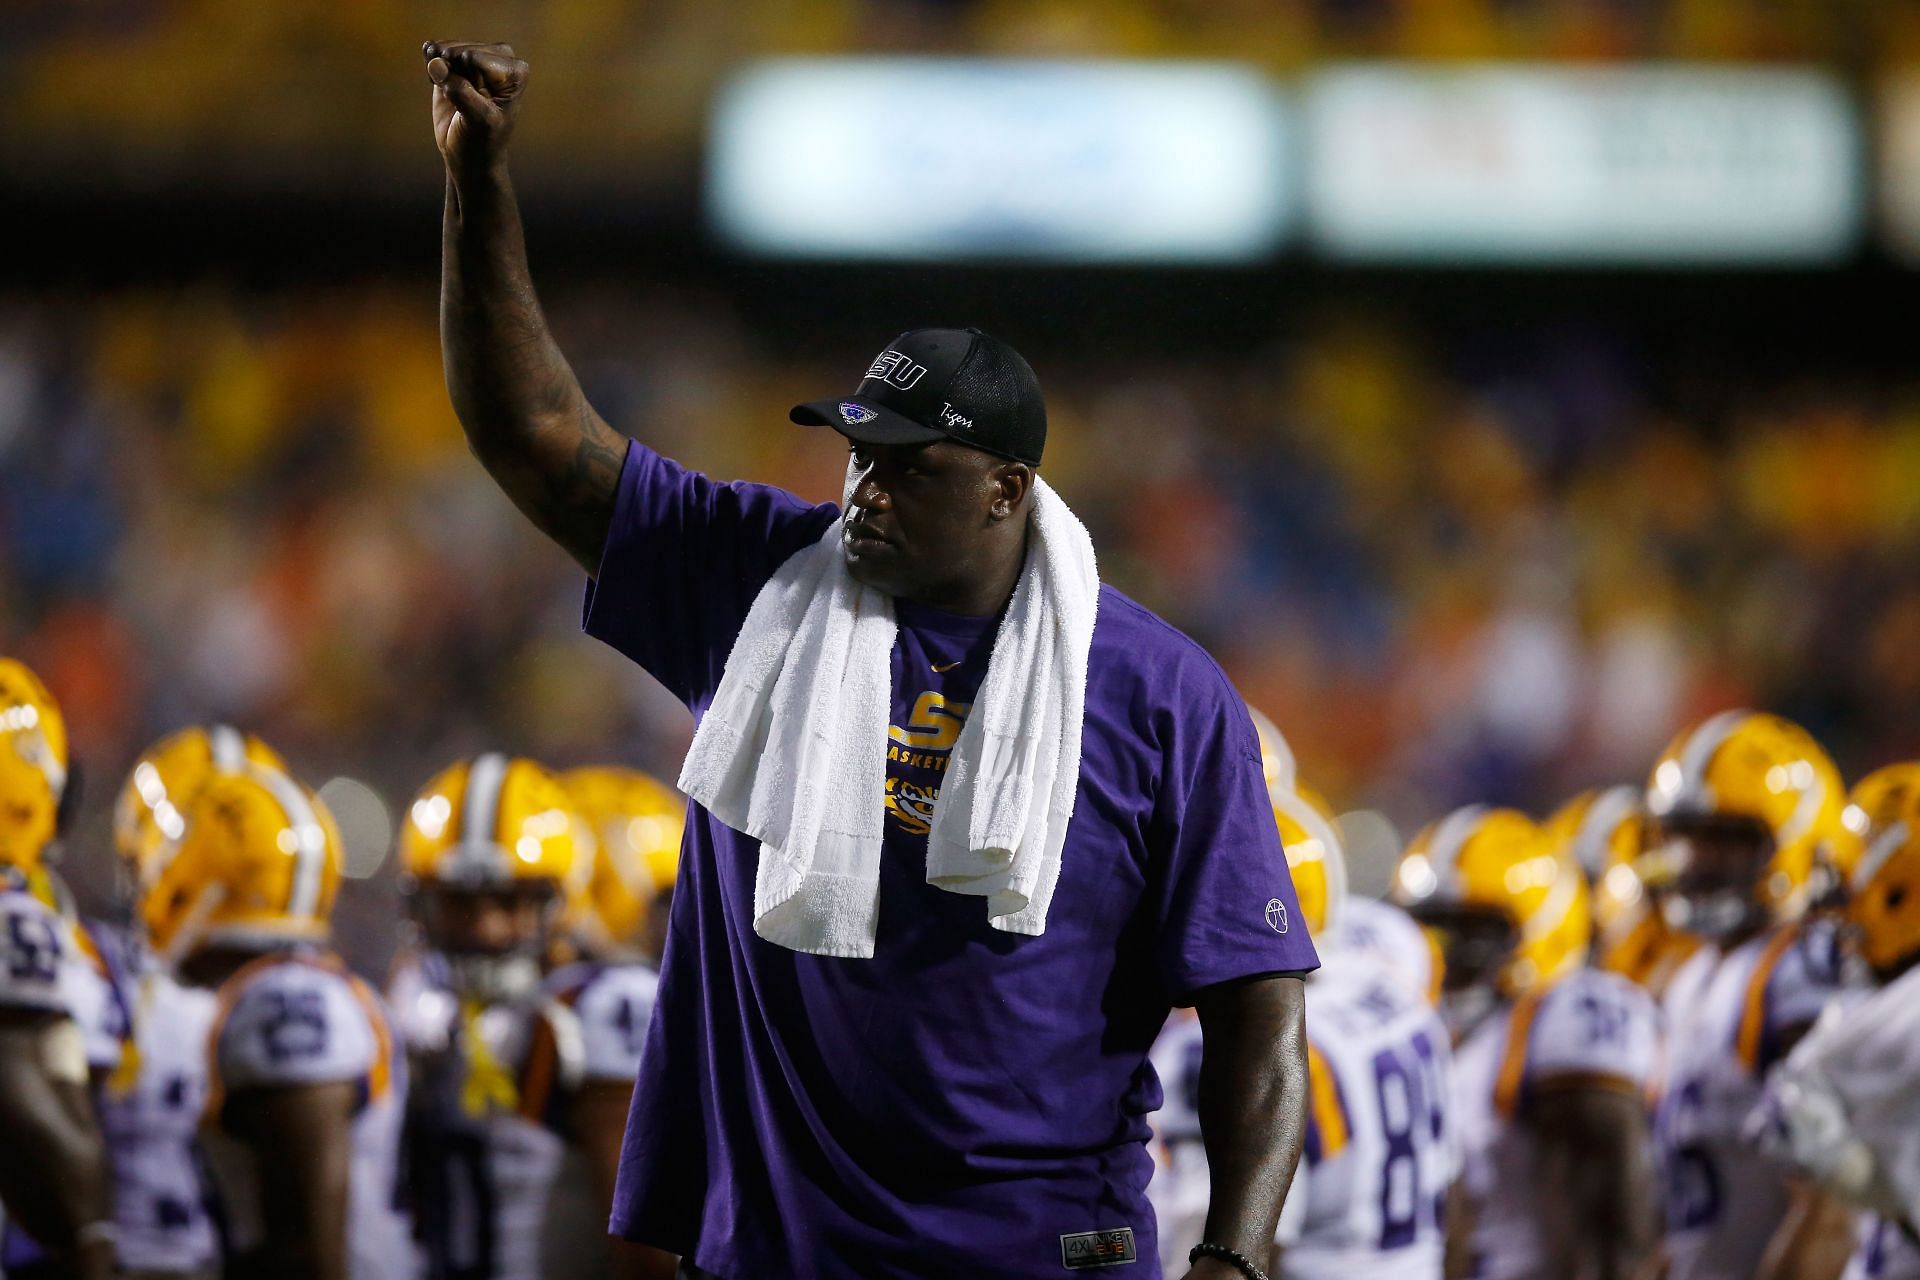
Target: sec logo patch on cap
(1276,915)
(855,414)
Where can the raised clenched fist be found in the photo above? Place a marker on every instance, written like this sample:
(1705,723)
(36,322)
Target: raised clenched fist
(476,95)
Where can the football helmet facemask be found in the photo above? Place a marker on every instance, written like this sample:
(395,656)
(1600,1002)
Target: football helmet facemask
(491,850)
(1740,804)
(1510,911)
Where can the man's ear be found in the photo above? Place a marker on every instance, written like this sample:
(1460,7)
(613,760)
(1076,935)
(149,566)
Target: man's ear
(1012,485)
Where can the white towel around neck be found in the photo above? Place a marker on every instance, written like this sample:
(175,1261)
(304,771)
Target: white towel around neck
(792,751)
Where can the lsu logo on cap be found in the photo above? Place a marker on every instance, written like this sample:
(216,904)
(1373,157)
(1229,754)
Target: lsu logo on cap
(893,367)
(855,414)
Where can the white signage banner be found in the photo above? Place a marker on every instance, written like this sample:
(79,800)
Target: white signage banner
(1657,164)
(1900,162)
(968,159)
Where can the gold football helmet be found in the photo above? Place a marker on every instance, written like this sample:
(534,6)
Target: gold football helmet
(1510,909)
(1276,757)
(1741,803)
(33,768)
(149,814)
(1315,857)
(635,822)
(491,850)
(255,867)
(1606,833)
(1884,899)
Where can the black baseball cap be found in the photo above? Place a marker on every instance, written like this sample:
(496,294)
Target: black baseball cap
(942,384)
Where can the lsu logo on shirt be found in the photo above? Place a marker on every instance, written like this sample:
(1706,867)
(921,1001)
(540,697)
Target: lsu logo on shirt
(917,755)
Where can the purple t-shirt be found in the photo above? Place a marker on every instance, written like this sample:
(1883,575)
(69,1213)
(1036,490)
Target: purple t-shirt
(959,1102)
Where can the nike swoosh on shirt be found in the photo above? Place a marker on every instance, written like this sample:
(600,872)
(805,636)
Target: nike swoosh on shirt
(940,670)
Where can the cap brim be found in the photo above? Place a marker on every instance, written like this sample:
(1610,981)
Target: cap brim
(863,420)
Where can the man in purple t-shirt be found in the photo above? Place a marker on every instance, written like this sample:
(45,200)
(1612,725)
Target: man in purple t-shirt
(967,1101)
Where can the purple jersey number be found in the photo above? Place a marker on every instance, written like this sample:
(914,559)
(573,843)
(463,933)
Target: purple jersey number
(1411,1120)
(33,949)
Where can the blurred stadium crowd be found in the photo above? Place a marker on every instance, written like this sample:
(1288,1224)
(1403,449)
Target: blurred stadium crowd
(1454,565)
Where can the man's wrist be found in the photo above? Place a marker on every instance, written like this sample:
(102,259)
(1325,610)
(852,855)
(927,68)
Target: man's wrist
(1232,1258)
(488,176)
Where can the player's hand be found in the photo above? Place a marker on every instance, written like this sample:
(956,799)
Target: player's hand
(476,95)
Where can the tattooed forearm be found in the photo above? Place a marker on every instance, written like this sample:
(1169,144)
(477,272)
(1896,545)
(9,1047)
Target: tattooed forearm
(580,504)
(524,413)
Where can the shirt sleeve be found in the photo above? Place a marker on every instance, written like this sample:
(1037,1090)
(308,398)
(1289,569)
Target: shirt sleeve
(1227,905)
(96,1009)
(293,1025)
(37,956)
(684,558)
(1798,988)
(1593,1025)
(615,1007)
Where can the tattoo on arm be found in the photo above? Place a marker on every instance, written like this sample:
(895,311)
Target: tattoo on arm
(523,410)
(579,508)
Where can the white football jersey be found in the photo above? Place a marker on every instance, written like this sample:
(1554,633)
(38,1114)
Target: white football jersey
(482,1129)
(150,1107)
(1728,1016)
(44,969)
(1383,931)
(100,986)
(49,961)
(300,1018)
(613,1004)
(1866,1052)
(1590,1026)
(1885,1252)
(42,963)
(1179,1190)
(1369,1199)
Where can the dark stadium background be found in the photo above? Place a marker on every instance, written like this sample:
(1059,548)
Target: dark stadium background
(1466,533)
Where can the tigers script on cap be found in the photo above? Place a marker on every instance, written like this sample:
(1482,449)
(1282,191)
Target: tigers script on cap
(942,384)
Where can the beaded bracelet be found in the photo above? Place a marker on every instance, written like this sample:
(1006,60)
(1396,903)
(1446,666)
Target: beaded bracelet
(1239,1260)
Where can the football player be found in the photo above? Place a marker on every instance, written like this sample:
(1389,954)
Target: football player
(1740,803)
(53,1181)
(1552,1057)
(1388,935)
(305,1085)
(151,1101)
(1842,1107)
(1367,1199)
(617,920)
(490,849)
(1606,832)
